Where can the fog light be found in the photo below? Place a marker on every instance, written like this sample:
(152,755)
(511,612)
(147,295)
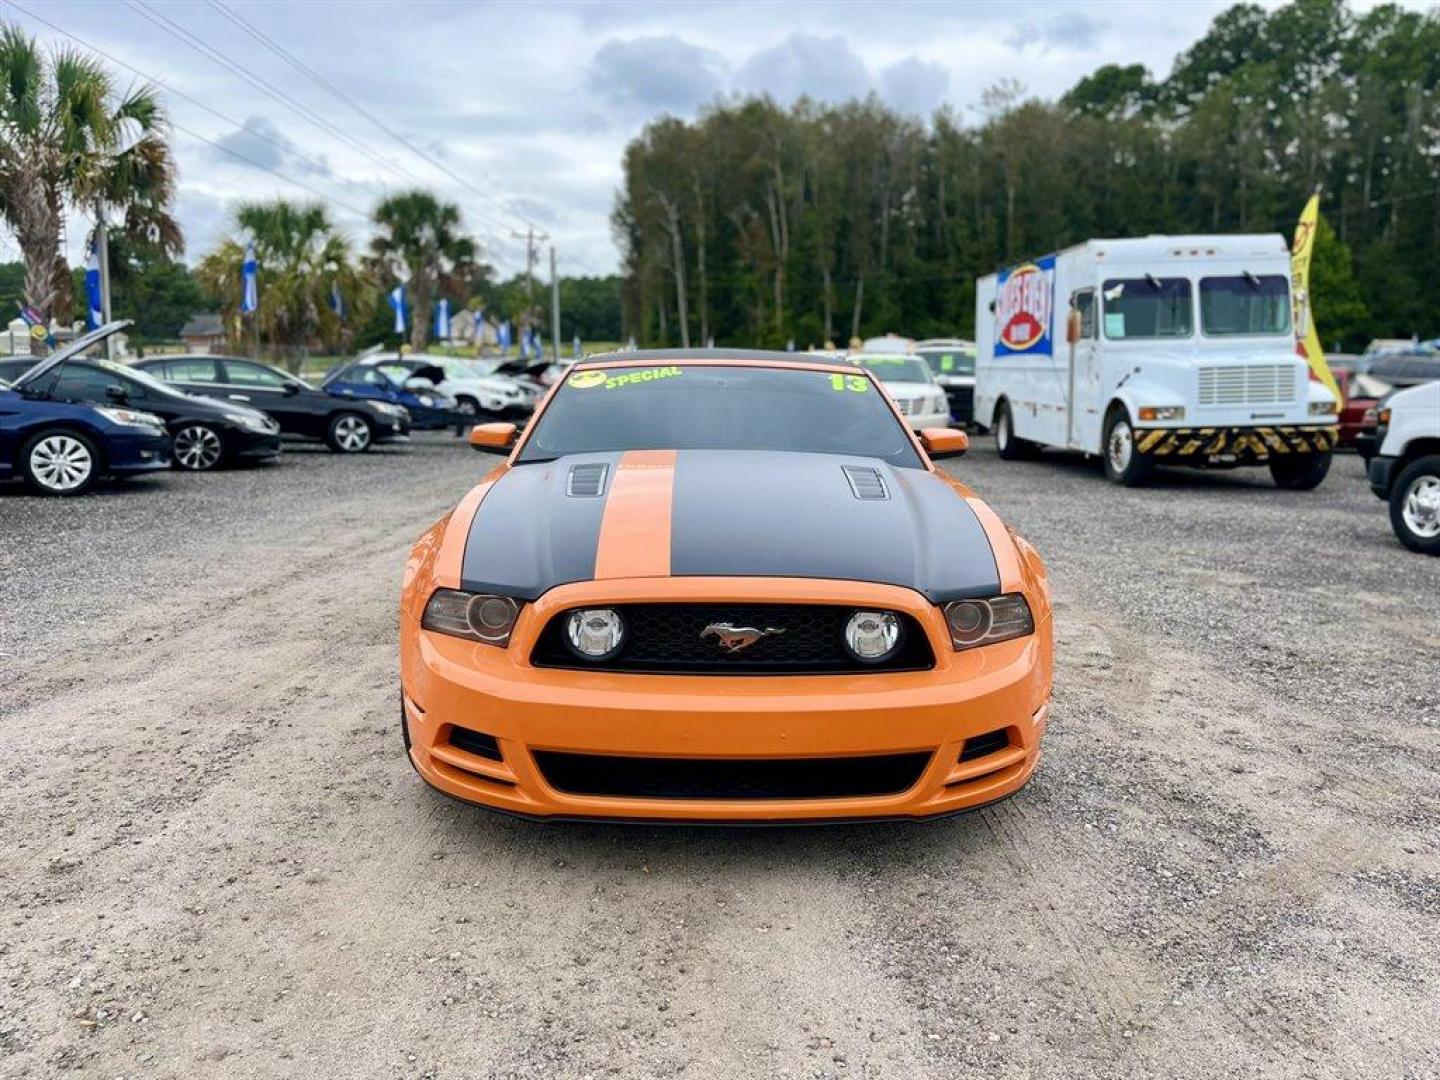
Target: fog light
(872,637)
(595,633)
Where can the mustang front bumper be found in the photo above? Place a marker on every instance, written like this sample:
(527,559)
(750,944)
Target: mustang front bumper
(565,743)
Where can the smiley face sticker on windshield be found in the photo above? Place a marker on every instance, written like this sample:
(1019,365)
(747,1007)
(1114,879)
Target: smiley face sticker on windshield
(584,380)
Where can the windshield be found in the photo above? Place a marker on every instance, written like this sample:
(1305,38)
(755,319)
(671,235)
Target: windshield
(699,407)
(895,369)
(950,361)
(1247,304)
(1147,307)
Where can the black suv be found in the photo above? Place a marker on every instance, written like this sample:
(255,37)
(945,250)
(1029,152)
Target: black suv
(347,426)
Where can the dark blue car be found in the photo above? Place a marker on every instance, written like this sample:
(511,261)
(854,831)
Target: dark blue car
(63,448)
(429,408)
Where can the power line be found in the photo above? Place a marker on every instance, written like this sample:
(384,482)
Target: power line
(349,100)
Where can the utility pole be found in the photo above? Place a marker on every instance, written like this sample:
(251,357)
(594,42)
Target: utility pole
(531,238)
(102,252)
(554,306)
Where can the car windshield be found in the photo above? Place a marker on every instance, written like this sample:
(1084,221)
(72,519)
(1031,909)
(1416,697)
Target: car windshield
(950,361)
(896,369)
(1147,307)
(1247,304)
(700,407)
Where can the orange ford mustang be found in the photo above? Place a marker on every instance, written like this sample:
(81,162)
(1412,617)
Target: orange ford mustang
(723,586)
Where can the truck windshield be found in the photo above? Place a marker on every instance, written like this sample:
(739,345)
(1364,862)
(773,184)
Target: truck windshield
(704,407)
(1148,307)
(1247,304)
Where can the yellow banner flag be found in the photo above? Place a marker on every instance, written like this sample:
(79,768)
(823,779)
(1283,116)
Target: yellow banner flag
(1307,341)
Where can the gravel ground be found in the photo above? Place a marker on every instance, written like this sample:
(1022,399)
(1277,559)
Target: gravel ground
(218,864)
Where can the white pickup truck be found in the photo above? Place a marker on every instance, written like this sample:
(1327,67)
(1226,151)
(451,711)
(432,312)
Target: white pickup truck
(1405,465)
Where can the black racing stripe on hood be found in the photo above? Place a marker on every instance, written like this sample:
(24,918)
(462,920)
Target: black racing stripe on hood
(772,514)
(529,535)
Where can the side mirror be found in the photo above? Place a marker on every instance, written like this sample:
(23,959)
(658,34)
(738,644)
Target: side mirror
(291,389)
(116,393)
(942,442)
(493,438)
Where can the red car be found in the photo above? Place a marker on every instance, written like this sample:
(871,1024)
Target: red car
(1358,397)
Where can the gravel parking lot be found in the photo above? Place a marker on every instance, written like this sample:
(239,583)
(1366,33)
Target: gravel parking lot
(217,862)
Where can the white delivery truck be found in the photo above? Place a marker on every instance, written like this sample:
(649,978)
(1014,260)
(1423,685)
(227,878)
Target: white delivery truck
(1163,350)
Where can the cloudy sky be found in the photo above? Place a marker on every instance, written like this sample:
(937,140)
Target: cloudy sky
(520,111)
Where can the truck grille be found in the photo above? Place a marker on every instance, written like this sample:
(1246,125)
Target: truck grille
(730,778)
(666,639)
(1251,384)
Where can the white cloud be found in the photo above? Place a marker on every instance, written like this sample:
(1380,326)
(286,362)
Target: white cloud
(804,65)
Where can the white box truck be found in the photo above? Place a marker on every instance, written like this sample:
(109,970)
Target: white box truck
(1174,350)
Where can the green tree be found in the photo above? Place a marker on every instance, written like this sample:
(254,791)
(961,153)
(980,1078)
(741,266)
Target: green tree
(420,242)
(1341,318)
(70,139)
(303,260)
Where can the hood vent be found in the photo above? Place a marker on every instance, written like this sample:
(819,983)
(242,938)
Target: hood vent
(587,481)
(866,483)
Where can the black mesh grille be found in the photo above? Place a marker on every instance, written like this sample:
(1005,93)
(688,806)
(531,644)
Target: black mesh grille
(730,778)
(977,746)
(666,638)
(475,742)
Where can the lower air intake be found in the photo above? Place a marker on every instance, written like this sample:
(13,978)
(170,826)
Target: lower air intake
(730,778)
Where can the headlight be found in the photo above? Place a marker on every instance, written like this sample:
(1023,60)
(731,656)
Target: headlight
(595,633)
(262,424)
(384,408)
(476,616)
(426,400)
(131,418)
(872,637)
(1324,408)
(984,622)
(1384,415)
(1162,412)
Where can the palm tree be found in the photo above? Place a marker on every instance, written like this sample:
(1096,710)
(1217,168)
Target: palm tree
(419,242)
(303,262)
(69,139)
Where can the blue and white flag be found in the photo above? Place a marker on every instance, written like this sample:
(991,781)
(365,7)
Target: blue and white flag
(442,319)
(249,282)
(479,326)
(94,313)
(502,336)
(397,304)
(525,343)
(576,346)
(337,302)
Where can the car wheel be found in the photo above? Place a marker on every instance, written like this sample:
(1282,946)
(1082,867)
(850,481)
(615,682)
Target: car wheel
(349,433)
(1009,445)
(467,406)
(60,463)
(197,448)
(1300,473)
(1415,505)
(1124,463)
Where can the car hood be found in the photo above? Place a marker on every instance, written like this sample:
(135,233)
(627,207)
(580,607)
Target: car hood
(910,391)
(721,513)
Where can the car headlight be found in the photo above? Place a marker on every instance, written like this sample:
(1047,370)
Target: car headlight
(872,637)
(475,616)
(1324,408)
(595,633)
(427,400)
(1162,412)
(131,418)
(384,408)
(984,622)
(261,424)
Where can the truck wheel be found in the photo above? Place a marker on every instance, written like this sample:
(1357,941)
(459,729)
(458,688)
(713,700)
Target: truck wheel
(1303,472)
(1124,464)
(1008,445)
(1415,505)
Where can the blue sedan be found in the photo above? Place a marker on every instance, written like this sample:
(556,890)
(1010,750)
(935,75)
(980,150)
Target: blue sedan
(63,448)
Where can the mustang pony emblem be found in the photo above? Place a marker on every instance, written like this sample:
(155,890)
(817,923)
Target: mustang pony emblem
(734,638)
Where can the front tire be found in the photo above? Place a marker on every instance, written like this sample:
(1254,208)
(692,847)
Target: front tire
(1008,445)
(60,463)
(1304,472)
(349,433)
(1415,505)
(467,407)
(197,448)
(1124,463)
